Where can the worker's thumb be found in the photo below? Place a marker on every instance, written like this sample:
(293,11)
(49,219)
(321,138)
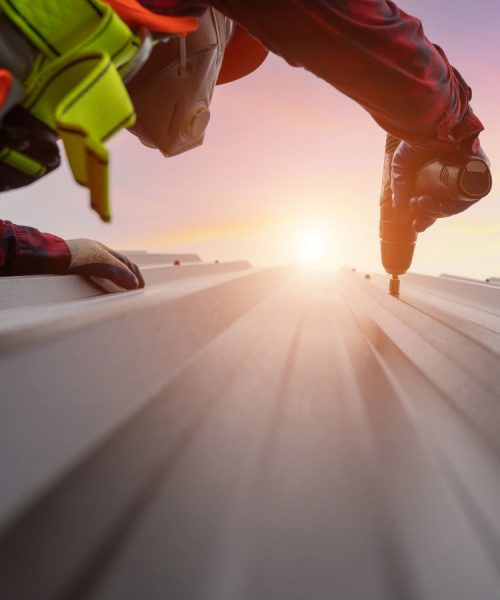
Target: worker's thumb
(93,259)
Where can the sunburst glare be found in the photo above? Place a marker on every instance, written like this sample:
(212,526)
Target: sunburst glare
(316,245)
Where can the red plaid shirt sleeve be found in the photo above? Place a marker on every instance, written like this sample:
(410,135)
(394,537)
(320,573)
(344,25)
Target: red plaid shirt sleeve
(175,8)
(370,50)
(27,251)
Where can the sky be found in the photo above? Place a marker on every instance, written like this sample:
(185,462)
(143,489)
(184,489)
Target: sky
(290,171)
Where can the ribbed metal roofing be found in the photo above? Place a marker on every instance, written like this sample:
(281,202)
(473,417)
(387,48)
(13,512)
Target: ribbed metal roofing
(235,433)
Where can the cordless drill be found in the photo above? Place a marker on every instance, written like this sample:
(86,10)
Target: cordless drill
(466,181)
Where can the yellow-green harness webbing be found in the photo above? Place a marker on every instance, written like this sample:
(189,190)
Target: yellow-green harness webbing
(75,86)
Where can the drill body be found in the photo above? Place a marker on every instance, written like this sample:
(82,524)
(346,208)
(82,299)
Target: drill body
(467,180)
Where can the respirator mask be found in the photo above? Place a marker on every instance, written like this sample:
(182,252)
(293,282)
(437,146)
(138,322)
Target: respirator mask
(173,90)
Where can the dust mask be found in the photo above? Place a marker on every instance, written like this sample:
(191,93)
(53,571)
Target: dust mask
(173,90)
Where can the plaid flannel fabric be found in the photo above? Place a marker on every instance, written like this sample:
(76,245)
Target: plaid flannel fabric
(177,8)
(27,251)
(370,50)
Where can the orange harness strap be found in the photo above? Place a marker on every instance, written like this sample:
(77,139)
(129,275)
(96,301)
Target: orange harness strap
(134,14)
(5,85)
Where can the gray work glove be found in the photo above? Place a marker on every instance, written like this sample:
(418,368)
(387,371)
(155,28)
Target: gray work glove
(424,210)
(94,259)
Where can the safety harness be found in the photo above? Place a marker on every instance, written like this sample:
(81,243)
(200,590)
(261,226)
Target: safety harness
(76,84)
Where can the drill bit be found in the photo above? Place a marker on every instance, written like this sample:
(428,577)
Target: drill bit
(394,285)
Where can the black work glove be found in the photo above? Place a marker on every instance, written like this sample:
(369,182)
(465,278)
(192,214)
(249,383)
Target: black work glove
(424,210)
(94,259)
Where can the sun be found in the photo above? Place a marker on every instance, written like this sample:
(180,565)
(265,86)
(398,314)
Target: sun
(316,245)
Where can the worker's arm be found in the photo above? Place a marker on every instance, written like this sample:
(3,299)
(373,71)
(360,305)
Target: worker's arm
(378,55)
(370,50)
(27,251)
(176,8)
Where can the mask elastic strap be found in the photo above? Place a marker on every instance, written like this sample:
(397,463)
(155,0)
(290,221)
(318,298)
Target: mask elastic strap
(182,57)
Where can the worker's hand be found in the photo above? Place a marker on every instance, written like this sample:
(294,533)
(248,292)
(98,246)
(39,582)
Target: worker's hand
(424,210)
(94,259)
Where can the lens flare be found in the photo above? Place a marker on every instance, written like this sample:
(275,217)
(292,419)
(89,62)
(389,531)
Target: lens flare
(316,245)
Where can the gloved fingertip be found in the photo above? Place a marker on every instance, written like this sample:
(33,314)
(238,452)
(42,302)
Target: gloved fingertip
(420,224)
(126,280)
(139,276)
(135,284)
(132,267)
(415,200)
(422,202)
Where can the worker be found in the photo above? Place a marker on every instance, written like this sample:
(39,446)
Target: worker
(173,114)
(378,55)
(26,251)
(369,50)
(28,150)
